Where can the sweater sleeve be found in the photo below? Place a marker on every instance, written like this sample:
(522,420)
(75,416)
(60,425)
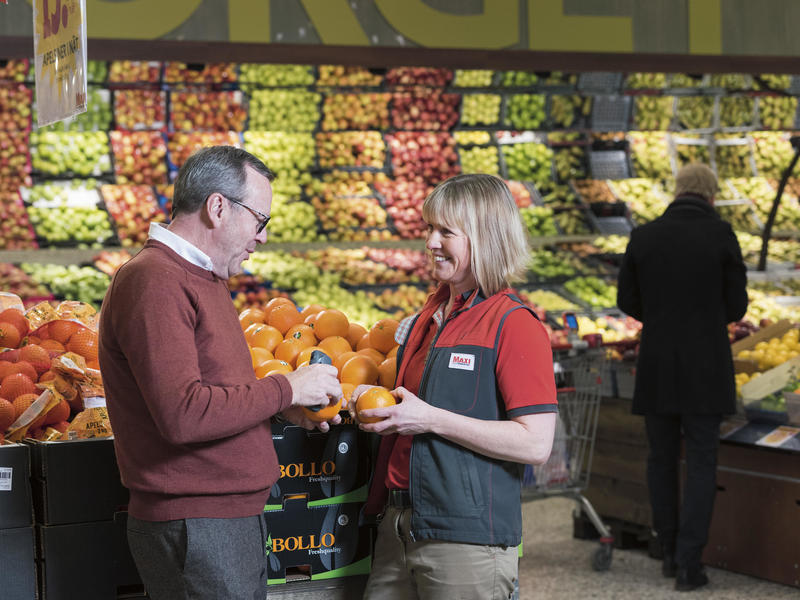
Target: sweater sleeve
(156,332)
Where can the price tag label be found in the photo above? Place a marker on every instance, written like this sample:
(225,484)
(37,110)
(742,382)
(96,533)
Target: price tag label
(6,476)
(59,47)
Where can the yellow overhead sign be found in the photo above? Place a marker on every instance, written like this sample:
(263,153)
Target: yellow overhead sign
(710,27)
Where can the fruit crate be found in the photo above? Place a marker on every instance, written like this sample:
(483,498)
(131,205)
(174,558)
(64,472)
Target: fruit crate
(136,74)
(724,159)
(200,110)
(599,82)
(468,100)
(653,113)
(66,215)
(611,113)
(137,110)
(609,164)
(573,109)
(181,144)
(481,159)
(70,155)
(15,107)
(696,113)
(573,221)
(728,105)
(15,160)
(216,76)
(684,149)
(681,83)
(558,82)
(352,151)
(740,214)
(540,123)
(14,71)
(575,304)
(570,155)
(650,156)
(139,157)
(19,232)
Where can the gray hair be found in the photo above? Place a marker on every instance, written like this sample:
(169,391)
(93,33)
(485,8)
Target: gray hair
(215,169)
(696,178)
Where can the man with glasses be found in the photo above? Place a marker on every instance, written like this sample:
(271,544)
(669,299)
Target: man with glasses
(190,419)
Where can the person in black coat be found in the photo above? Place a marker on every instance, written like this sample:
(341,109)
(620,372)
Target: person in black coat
(684,278)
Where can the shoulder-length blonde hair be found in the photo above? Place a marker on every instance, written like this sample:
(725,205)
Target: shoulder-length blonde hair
(482,207)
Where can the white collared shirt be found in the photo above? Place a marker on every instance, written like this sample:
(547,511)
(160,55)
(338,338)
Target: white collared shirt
(184,249)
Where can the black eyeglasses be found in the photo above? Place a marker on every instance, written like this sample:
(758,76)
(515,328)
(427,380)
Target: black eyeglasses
(262,218)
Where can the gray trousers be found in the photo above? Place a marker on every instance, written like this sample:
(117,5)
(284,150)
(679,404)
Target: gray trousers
(193,559)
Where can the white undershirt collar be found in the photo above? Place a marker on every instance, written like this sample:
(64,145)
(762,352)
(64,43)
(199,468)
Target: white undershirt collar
(184,249)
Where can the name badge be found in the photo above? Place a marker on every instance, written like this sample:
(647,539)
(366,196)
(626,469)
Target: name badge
(465,362)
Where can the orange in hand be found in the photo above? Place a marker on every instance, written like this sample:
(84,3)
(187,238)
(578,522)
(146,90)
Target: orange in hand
(326,413)
(376,397)
(273,367)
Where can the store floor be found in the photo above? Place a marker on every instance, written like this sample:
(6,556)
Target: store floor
(555,566)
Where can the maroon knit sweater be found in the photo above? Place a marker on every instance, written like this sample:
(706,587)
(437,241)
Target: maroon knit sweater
(190,419)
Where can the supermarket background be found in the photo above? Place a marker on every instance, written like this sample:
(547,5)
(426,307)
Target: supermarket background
(360,108)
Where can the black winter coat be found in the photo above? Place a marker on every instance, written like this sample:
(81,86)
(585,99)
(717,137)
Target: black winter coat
(684,278)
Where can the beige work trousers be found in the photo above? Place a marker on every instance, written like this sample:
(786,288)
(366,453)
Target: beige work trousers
(403,569)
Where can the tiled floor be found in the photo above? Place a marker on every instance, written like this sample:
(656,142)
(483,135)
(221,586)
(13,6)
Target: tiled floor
(555,566)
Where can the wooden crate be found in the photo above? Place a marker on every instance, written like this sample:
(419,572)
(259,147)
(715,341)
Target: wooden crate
(756,524)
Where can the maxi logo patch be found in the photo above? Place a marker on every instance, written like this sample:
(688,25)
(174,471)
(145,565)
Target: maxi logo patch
(465,362)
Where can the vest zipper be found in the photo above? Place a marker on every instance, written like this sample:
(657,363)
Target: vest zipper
(422,386)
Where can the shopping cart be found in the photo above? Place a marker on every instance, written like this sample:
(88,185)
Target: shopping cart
(579,375)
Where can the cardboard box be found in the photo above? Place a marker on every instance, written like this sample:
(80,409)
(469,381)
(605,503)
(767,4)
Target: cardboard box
(76,561)
(316,540)
(16,508)
(17,564)
(76,481)
(333,465)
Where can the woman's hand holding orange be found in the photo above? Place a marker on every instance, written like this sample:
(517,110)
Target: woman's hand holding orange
(410,416)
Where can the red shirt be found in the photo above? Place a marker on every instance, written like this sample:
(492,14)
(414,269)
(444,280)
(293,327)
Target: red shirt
(524,374)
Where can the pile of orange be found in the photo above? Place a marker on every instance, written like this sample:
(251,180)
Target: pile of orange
(28,363)
(13,328)
(281,339)
(20,371)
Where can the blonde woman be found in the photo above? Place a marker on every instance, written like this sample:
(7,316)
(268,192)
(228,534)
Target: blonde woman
(476,401)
